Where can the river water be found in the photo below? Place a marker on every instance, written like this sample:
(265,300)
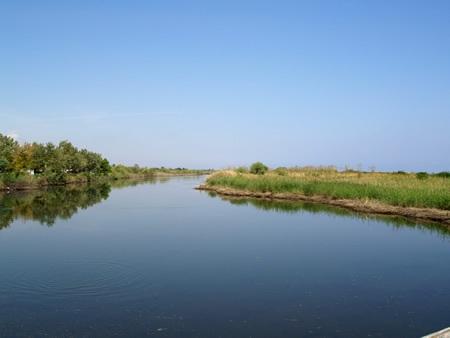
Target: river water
(158,258)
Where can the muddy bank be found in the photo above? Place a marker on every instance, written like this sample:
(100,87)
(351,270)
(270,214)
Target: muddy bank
(369,207)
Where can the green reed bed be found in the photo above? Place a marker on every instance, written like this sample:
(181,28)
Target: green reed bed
(405,191)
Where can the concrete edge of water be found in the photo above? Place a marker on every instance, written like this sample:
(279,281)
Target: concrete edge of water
(445,333)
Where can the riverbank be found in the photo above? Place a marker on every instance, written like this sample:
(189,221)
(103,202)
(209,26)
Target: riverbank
(366,193)
(38,182)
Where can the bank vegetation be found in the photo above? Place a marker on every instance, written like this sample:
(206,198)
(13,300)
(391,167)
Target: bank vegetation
(32,165)
(376,192)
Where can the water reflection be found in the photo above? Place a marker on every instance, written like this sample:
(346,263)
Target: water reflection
(120,184)
(47,206)
(135,266)
(313,208)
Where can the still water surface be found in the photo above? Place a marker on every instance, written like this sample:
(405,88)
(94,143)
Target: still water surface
(159,258)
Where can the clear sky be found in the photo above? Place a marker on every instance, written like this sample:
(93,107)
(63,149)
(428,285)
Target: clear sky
(217,83)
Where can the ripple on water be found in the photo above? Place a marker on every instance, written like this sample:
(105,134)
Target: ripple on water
(78,279)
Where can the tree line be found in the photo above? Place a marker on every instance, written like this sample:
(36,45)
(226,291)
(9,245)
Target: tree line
(49,158)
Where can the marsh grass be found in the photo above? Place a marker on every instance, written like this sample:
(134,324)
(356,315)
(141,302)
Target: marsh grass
(402,190)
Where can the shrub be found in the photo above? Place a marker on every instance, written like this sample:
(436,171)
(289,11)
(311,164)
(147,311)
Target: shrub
(87,175)
(422,175)
(25,178)
(443,174)
(282,171)
(55,176)
(242,170)
(10,177)
(258,168)
(40,179)
(400,172)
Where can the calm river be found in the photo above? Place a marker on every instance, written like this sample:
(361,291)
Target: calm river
(159,258)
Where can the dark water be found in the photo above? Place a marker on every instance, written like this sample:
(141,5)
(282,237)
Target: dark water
(161,259)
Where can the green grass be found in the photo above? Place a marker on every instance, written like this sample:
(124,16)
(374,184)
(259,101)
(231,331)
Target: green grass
(400,190)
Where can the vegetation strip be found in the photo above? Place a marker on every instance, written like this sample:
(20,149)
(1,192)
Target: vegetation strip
(420,197)
(33,165)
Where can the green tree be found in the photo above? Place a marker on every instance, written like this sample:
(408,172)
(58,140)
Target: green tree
(3,164)
(54,159)
(8,149)
(22,158)
(93,160)
(105,168)
(258,168)
(72,159)
(38,158)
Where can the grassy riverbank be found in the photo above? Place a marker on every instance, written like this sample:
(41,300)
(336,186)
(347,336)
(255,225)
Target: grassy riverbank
(397,189)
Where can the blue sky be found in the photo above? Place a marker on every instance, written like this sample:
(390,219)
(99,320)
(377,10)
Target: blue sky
(211,84)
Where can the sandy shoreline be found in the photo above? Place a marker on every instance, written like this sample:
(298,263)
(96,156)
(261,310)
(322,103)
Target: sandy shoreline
(418,214)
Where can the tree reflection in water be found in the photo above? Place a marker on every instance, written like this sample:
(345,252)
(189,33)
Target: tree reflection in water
(60,202)
(47,206)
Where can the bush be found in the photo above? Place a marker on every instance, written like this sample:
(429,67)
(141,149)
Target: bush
(55,176)
(258,168)
(422,175)
(87,175)
(242,170)
(10,177)
(400,172)
(40,179)
(282,171)
(25,178)
(443,174)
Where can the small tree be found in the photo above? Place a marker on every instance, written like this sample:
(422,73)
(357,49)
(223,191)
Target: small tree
(105,168)
(258,168)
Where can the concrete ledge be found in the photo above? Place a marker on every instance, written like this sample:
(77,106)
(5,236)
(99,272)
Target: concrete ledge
(445,333)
